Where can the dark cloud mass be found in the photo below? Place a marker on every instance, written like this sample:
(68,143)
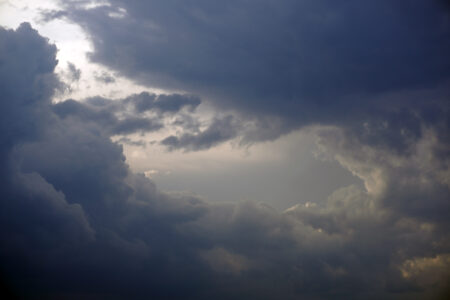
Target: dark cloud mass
(128,115)
(77,223)
(172,103)
(218,131)
(303,61)
(294,63)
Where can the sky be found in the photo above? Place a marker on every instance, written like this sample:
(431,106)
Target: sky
(227,150)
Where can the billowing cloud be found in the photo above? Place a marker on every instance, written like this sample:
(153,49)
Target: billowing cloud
(76,222)
(220,130)
(128,115)
(303,62)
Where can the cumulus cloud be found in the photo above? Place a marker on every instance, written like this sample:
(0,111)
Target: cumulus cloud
(418,176)
(218,131)
(304,62)
(76,222)
(281,66)
(128,115)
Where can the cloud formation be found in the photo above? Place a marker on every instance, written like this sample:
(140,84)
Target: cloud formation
(218,131)
(128,115)
(304,62)
(277,67)
(74,72)
(76,222)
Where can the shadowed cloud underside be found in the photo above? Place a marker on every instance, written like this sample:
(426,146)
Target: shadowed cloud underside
(77,222)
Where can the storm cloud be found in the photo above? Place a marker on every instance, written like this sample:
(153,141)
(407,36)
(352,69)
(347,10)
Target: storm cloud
(128,115)
(77,222)
(289,63)
(301,61)
(220,130)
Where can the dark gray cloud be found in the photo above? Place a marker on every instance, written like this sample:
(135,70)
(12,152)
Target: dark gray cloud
(303,61)
(77,223)
(105,118)
(74,72)
(220,130)
(282,65)
(418,176)
(128,115)
(171,103)
(26,82)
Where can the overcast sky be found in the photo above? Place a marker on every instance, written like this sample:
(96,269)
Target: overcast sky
(225,149)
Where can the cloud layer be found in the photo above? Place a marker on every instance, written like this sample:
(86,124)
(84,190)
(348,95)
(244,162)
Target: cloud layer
(76,222)
(302,62)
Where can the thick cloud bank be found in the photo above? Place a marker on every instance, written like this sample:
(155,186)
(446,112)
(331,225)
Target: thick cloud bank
(77,223)
(300,62)
(142,112)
